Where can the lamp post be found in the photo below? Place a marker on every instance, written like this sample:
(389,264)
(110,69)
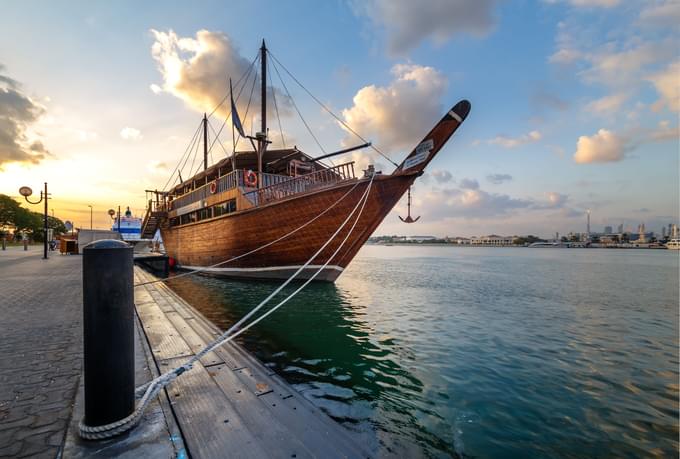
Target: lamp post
(26,192)
(90,206)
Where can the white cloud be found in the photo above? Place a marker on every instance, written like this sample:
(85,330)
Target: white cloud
(197,70)
(565,56)
(604,146)
(442,176)
(155,88)
(664,132)
(399,114)
(470,203)
(556,199)
(408,23)
(513,142)
(469,184)
(667,84)
(18,112)
(661,13)
(158,168)
(607,104)
(129,133)
(624,68)
(594,3)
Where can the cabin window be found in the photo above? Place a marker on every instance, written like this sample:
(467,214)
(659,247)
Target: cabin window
(225,208)
(204,214)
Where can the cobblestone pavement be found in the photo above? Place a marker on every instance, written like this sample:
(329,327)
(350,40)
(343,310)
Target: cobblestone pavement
(40,349)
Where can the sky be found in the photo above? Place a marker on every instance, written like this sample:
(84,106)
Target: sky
(574,103)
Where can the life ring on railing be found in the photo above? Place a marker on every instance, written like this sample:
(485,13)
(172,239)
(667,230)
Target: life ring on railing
(213,187)
(250,178)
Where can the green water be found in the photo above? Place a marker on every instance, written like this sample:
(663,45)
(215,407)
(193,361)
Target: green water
(479,352)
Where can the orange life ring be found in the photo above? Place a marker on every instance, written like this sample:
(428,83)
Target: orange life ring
(213,187)
(251,178)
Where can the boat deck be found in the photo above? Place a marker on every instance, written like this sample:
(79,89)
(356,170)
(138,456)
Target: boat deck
(231,405)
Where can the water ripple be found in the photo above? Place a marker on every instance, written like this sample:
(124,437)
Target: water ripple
(485,353)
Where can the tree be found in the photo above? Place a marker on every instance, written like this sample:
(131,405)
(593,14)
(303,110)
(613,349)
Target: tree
(8,210)
(56,224)
(30,222)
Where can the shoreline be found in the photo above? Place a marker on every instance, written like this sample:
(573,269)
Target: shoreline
(430,244)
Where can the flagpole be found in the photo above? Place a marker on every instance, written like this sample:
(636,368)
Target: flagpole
(233,135)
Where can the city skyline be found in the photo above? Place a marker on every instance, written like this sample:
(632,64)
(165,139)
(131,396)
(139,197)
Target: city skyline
(575,104)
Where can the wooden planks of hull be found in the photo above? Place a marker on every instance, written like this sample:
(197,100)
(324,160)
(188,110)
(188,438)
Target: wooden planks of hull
(213,241)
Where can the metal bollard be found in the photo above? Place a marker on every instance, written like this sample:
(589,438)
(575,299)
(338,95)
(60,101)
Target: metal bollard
(3,243)
(25,244)
(108,322)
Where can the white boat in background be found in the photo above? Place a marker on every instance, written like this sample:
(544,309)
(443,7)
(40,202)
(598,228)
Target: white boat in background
(549,245)
(673,244)
(129,227)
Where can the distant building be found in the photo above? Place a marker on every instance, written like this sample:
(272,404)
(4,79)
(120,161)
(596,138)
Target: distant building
(420,238)
(492,239)
(641,233)
(620,229)
(673,231)
(608,230)
(462,240)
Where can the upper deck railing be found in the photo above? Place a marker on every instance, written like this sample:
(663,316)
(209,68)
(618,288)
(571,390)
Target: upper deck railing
(232,180)
(301,184)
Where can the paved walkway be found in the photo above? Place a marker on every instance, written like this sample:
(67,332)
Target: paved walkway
(40,349)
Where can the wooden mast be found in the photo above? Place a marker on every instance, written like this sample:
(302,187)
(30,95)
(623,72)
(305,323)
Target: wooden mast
(262,135)
(205,141)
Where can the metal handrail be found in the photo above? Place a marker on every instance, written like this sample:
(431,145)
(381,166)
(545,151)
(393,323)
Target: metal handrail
(227,182)
(302,183)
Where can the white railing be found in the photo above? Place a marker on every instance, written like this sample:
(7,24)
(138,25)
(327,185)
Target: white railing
(301,184)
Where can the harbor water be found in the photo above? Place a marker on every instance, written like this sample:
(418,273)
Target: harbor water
(429,351)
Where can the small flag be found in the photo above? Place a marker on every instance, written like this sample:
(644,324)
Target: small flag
(234,114)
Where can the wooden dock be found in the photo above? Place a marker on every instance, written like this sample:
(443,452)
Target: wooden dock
(231,405)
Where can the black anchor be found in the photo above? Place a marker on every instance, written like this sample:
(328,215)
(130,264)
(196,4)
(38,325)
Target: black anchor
(408,218)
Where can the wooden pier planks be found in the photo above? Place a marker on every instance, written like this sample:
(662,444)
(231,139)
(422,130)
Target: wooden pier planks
(230,405)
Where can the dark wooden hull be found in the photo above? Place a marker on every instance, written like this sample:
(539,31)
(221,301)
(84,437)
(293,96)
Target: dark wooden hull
(208,242)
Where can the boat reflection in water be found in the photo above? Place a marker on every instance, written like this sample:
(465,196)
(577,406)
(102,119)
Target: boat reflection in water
(320,343)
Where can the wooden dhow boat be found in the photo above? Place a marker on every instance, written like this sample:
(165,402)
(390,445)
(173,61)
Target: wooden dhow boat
(279,206)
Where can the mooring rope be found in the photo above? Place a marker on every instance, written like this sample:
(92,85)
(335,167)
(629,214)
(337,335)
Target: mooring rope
(152,388)
(257,249)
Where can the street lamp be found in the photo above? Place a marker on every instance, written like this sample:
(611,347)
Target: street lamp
(90,216)
(26,192)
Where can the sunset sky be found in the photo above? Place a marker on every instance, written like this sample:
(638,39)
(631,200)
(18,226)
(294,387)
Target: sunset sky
(574,103)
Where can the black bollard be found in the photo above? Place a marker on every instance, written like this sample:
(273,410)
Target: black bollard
(3,243)
(108,321)
(25,244)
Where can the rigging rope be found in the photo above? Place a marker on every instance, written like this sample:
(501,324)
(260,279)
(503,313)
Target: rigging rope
(297,109)
(329,110)
(276,107)
(250,67)
(250,98)
(224,123)
(264,246)
(154,387)
(216,140)
(190,146)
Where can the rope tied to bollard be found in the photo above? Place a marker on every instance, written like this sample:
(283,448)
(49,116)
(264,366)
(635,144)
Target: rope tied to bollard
(150,390)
